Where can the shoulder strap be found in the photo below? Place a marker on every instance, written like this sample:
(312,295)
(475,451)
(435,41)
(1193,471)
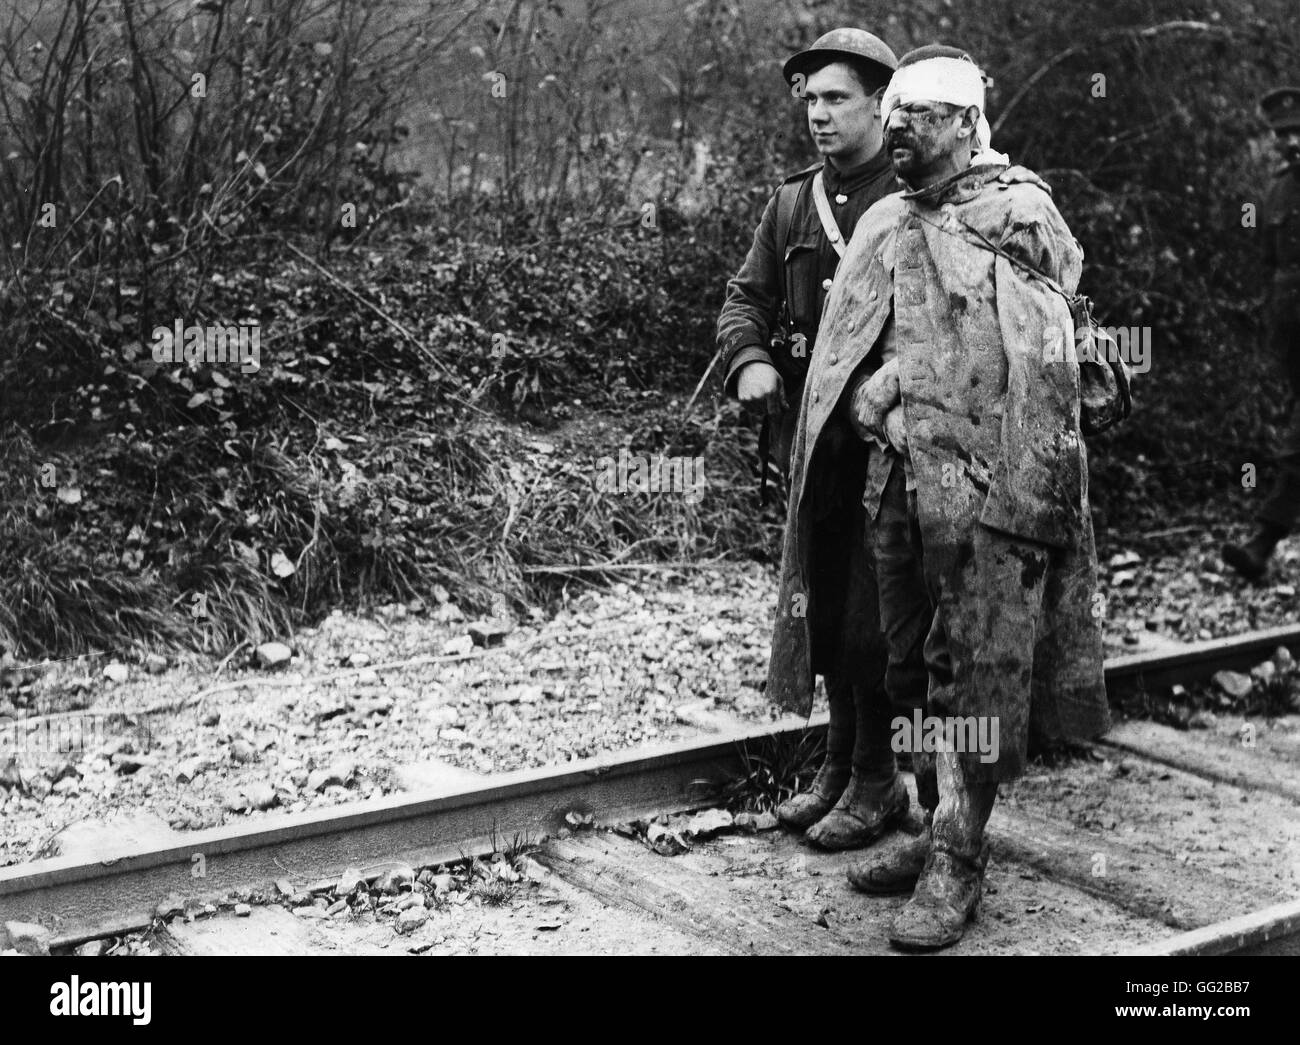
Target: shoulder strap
(829,225)
(786,197)
(990,245)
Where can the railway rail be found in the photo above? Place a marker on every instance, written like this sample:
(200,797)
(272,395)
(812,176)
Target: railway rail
(1151,902)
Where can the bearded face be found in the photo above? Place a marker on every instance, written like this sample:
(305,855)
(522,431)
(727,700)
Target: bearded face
(920,136)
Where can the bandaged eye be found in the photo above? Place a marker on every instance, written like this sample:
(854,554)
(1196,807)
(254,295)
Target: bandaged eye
(928,117)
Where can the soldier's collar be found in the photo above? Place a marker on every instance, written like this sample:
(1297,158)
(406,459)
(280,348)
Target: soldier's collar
(854,177)
(959,187)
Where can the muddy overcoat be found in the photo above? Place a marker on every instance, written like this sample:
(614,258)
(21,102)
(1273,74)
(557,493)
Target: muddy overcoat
(991,403)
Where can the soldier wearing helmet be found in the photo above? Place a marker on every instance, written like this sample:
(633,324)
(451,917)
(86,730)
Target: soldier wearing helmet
(828,622)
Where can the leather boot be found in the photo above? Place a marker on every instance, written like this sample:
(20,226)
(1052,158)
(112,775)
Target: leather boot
(1251,559)
(807,807)
(897,869)
(875,799)
(864,812)
(948,892)
(810,805)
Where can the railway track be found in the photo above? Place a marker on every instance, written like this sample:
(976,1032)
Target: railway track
(1145,886)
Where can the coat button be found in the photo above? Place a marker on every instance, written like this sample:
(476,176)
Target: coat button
(826,284)
(874,295)
(853,325)
(841,198)
(816,396)
(834,358)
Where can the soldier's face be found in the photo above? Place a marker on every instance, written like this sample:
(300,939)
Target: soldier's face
(921,136)
(1288,145)
(843,119)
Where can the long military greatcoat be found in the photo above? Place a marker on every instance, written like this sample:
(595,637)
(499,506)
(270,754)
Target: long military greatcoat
(992,416)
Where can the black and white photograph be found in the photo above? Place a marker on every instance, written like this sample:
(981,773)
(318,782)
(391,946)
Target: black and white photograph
(684,478)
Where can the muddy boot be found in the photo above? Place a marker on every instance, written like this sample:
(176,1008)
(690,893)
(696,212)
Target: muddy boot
(808,806)
(897,869)
(1251,559)
(875,799)
(864,812)
(948,892)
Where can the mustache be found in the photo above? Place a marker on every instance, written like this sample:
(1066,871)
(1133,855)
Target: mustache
(899,139)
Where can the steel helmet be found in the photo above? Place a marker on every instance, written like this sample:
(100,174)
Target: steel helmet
(854,45)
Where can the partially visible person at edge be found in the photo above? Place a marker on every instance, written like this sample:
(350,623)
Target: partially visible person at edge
(1281,225)
(767,333)
(939,348)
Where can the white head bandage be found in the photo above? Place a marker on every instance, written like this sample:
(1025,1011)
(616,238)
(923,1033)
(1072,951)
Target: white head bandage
(953,81)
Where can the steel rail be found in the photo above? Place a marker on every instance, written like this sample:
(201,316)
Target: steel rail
(1273,931)
(119,891)
(1197,661)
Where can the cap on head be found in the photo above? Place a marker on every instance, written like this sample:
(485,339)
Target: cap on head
(851,45)
(1281,108)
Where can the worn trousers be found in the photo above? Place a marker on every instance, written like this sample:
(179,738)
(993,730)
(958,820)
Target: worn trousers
(847,636)
(935,630)
(1282,508)
(906,616)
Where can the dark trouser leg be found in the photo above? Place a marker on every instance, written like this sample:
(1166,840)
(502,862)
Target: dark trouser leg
(875,798)
(907,618)
(906,613)
(836,573)
(905,608)
(1278,516)
(841,731)
(1283,505)
(1281,509)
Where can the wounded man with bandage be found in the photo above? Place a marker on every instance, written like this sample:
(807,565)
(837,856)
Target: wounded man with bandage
(942,346)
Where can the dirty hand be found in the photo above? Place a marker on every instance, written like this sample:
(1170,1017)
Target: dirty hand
(896,429)
(759,388)
(872,399)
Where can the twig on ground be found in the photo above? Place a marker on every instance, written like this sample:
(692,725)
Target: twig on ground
(227,658)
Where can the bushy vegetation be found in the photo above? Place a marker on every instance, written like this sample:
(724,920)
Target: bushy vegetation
(484,245)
